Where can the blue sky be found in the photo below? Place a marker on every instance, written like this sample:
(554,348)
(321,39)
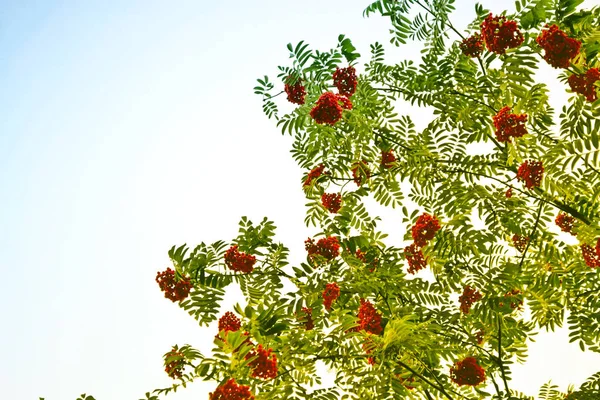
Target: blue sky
(127,127)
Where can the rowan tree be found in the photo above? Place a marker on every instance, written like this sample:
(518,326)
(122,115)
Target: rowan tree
(484,190)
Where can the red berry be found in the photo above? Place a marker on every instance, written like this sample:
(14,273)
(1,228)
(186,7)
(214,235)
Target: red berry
(306,319)
(368,318)
(264,366)
(295,92)
(500,34)
(330,294)
(509,125)
(468,297)
(175,290)
(559,49)
(344,79)
(472,46)
(387,158)
(467,372)
(332,202)
(328,248)
(584,84)
(531,173)
(175,367)
(229,322)
(520,242)
(591,255)
(425,229)
(329,107)
(479,336)
(239,261)
(314,174)
(414,256)
(565,222)
(231,391)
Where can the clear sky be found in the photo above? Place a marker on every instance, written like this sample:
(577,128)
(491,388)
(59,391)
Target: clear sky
(127,127)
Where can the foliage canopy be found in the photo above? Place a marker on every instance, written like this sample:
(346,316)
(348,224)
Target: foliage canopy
(497,269)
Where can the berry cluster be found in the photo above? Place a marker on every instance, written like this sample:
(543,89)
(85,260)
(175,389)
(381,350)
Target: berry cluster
(344,79)
(295,92)
(346,103)
(414,256)
(328,109)
(512,296)
(425,229)
(174,368)
(231,391)
(531,173)
(585,84)
(509,125)
(590,255)
(175,290)
(469,296)
(306,319)
(314,174)
(239,261)
(332,202)
(264,366)
(472,46)
(330,294)
(565,222)
(328,248)
(509,193)
(229,322)
(500,34)
(467,372)
(369,319)
(360,171)
(387,158)
(559,49)
(520,242)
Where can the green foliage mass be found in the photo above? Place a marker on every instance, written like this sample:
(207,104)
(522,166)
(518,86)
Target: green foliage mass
(453,168)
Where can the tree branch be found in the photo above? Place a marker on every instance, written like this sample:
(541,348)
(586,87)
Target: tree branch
(500,363)
(537,221)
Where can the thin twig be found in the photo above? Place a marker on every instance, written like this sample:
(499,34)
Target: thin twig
(460,35)
(265,98)
(537,221)
(474,99)
(566,208)
(439,388)
(500,357)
